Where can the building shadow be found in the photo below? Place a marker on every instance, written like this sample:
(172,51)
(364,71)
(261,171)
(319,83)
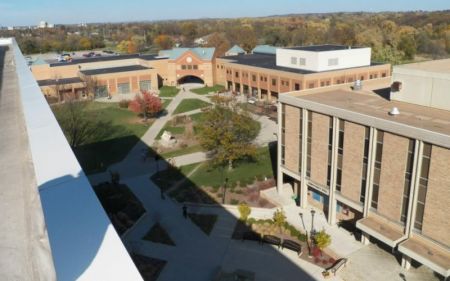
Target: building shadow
(384,93)
(3,50)
(237,255)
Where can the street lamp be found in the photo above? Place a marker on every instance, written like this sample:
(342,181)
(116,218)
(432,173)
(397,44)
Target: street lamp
(313,212)
(306,233)
(224,190)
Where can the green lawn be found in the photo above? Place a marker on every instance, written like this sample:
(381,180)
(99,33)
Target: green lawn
(166,102)
(205,222)
(173,130)
(189,105)
(168,91)
(118,131)
(158,234)
(207,90)
(182,151)
(245,172)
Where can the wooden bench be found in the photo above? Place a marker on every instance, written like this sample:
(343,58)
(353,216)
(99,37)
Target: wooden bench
(251,235)
(270,239)
(292,245)
(338,266)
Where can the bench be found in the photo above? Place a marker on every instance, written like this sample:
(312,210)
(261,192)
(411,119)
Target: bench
(293,246)
(338,266)
(250,235)
(270,239)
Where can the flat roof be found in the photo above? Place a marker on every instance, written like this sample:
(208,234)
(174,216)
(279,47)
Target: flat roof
(114,69)
(440,66)
(25,250)
(55,63)
(61,81)
(269,61)
(323,48)
(369,106)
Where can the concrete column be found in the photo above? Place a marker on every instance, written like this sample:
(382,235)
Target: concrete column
(370,170)
(406,262)
(365,238)
(279,173)
(334,153)
(259,93)
(303,185)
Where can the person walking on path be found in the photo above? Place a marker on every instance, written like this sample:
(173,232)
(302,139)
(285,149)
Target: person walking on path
(185,211)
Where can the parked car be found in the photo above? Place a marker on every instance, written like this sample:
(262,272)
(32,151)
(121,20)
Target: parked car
(251,100)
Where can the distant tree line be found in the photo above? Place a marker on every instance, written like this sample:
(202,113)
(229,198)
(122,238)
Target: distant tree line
(394,37)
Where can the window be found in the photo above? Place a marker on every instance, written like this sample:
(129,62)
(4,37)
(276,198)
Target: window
(408,174)
(383,74)
(333,62)
(217,66)
(330,149)
(293,60)
(283,132)
(423,184)
(297,87)
(308,153)
(274,82)
(377,171)
(189,67)
(145,85)
(300,135)
(101,91)
(362,196)
(340,155)
(253,77)
(183,67)
(195,67)
(301,61)
(236,74)
(123,88)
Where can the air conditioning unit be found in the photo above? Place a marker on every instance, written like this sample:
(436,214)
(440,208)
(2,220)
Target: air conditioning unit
(394,111)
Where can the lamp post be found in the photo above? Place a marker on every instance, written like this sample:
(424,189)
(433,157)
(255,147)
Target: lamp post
(224,190)
(313,212)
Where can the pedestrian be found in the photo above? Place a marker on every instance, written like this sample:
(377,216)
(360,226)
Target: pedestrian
(185,211)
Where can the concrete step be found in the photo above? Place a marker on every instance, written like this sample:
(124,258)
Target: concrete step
(284,198)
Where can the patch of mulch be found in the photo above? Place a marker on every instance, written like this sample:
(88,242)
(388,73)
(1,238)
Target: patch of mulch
(149,268)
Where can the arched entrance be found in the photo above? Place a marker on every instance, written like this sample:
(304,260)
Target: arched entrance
(190,79)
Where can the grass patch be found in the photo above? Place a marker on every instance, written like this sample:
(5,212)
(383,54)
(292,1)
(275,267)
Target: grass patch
(118,131)
(182,151)
(244,172)
(158,234)
(165,179)
(207,90)
(197,117)
(171,129)
(205,222)
(189,105)
(168,91)
(165,103)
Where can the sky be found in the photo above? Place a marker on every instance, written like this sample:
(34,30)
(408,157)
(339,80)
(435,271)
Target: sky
(31,12)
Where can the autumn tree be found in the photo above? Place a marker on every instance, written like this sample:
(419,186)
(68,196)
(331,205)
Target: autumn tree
(72,119)
(220,42)
(279,219)
(244,211)
(91,85)
(228,132)
(146,104)
(163,42)
(322,240)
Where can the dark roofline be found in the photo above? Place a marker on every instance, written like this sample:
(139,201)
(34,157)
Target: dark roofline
(324,48)
(62,81)
(107,58)
(114,69)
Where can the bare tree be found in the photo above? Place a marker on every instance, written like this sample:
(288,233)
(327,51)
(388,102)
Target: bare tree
(90,84)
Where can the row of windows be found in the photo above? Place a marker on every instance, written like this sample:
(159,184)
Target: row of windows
(362,196)
(189,66)
(340,155)
(300,61)
(407,186)
(283,132)
(423,184)
(377,170)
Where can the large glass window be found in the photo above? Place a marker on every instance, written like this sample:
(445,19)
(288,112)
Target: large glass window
(377,170)
(300,135)
(408,174)
(145,85)
(423,184)
(123,88)
(340,155)
(308,153)
(330,149)
(101,91)
(362,196)
(283,132)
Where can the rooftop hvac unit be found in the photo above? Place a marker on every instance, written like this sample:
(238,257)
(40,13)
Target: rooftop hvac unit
(394,111)
(357,85)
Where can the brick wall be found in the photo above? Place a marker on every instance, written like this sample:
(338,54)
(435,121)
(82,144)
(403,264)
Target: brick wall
(319,148)
(392,179)
(292,138)
(352,162)
(436,219)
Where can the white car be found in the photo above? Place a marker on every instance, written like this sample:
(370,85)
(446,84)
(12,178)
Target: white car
(251,100)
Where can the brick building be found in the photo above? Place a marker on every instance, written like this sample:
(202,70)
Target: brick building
(377,159)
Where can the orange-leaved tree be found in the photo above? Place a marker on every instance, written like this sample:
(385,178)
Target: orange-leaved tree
(146,104)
